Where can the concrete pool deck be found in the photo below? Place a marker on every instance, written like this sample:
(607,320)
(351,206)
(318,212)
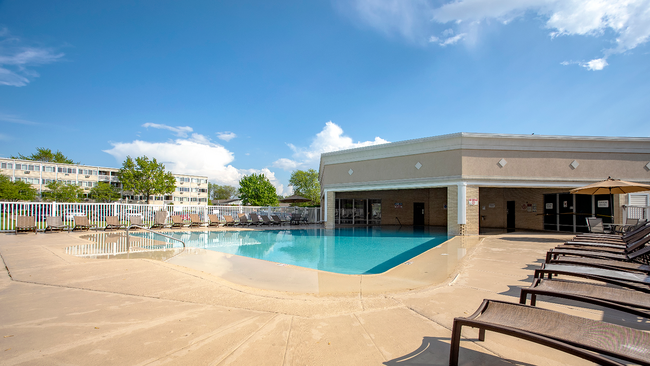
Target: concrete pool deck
(60,309)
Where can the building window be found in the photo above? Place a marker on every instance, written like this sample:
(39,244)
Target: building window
(178,199)
(183,189)
(49,169)
(87,172)
(67,170)
(194,199)
(203,200)
(6,166)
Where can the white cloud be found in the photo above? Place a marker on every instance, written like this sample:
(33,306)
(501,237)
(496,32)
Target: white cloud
(15,119)
(331,138)
(627,20)
(180,131)
(226,136)
(15,58)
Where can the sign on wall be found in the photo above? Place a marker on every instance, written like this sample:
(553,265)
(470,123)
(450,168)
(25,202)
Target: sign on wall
(399,205)
(472,201)
(603,203)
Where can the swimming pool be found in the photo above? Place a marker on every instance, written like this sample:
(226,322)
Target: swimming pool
(367,250)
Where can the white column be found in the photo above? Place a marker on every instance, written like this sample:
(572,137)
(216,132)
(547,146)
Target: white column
(462,208)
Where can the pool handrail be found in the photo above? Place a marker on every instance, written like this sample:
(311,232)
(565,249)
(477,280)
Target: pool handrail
(128,244)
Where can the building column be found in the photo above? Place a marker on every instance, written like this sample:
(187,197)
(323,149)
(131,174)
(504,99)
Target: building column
(462,218)
(330,202)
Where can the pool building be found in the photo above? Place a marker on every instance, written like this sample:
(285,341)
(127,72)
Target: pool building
(473,181)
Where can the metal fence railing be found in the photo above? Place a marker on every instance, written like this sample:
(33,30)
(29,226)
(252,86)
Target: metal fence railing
(97,212)
(636,212)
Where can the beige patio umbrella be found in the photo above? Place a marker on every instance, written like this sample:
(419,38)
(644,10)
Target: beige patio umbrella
(611,186)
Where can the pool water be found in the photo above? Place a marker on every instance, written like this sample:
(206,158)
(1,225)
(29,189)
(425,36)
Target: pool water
(367,250)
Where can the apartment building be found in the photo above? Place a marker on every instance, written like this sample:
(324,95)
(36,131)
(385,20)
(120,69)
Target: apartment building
(190,189)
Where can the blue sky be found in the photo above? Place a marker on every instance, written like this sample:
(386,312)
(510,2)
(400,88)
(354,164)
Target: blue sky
(224,89)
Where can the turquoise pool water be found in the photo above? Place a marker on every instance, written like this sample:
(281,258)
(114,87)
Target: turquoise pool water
(367,250)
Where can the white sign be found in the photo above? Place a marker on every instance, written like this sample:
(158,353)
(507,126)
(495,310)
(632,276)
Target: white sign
(473,201)
(603,203)
(549,206)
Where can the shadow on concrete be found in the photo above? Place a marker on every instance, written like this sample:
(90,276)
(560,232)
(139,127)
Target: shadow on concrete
(435,351)
(529,239)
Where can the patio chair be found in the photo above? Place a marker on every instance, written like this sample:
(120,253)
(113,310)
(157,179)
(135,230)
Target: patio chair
(622,278)
(195,220)
(635,302)
(136,220)
(54,223)
(268,221)
(295,219)
(230,221)
(81,223)
(243,220)
(278,220)
(589,339)
(214,220)
(25,223)
(635,233)
(177,221)
(159,220)
(621,253)
(113,222)
(255,220)
(632,262)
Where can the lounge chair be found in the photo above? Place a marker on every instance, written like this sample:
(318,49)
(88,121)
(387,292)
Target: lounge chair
(195,220)
(113,222)
(256,220)
(295,219)
(214,220)
(54,223)
(25,223)
(589,339)
(136,220)
(243,220)
(631,262)
(635,302)
(622,278)
(268,221)
(630,236)
(230,221)
(601,252)
(177,221)
(278,220)
(81,223)
(628,248)
(160,218)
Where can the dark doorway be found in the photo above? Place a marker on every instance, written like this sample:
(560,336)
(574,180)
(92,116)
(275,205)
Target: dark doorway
(550,212)
(567,214)
(418,214)
(510,216)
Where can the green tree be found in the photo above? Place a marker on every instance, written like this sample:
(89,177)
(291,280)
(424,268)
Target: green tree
(217,192)
(60,192)
(146,177)
(16,191)
(104,192)
(257,190)
(305,183)
(46,155)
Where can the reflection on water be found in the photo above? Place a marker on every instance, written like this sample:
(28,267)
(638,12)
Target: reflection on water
(115,245)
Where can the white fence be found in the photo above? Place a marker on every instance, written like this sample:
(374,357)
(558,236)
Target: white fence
(636,212)
(97,212)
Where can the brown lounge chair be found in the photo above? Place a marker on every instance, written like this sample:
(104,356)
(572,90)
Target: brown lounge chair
(160,219)
(626,279)
(621,240)
(278,220)
(589,339)
(135,220)
(113,222)
(636,261)
(628,248)
(256,220)
(25,223)
(268,221)
(177,221)
(214,220)
(243,220)
(230,221)
(634,252)
(635,302)
(54,223)
(195,220)
(81,223)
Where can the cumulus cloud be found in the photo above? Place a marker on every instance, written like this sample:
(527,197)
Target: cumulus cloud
(331,138)
(226,136)
(195,155)
(180,131)
(16,58)
(627,20)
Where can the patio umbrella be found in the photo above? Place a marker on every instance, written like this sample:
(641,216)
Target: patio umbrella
(611,186)
(294,199)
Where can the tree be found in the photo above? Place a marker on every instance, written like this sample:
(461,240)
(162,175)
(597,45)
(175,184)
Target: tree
(16,191)
(46,155)
(104,192)
(146,177)
(257,190)
(217,192)
(305,183)
(60,192)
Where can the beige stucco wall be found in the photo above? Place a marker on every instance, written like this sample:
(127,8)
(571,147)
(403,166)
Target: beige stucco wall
(437,164)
